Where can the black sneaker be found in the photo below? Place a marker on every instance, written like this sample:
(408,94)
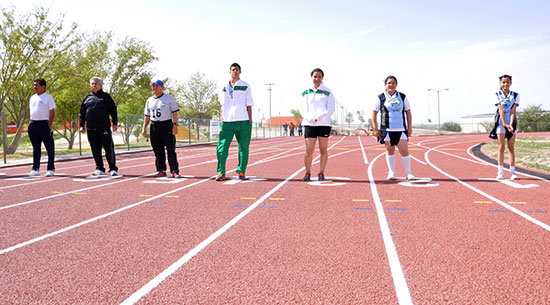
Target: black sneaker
(220,177)
(242,176)
(321,176)
(307,177)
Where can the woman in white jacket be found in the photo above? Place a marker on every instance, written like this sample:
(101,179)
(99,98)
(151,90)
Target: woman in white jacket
(316,109)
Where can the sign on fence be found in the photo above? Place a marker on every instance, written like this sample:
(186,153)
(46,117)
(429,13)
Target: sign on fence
(214,128)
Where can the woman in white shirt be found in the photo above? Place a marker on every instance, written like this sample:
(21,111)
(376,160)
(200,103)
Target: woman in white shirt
(316,109)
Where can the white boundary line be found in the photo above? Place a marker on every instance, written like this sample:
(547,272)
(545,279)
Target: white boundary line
(399,281)
(503,204)
(363,150)
(140,293)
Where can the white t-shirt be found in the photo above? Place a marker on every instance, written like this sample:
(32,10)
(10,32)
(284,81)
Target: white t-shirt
(235,101)
(161,108)
(406,106)
(40,106)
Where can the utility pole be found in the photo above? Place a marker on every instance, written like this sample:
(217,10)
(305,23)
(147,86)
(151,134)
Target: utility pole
(438,111)
(270,118)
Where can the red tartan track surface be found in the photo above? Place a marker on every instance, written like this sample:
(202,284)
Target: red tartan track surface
(456,235)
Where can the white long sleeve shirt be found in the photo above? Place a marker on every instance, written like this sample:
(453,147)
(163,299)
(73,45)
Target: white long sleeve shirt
(235,101)
(318,104)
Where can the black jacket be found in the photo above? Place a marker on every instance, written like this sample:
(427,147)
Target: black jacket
(95,111)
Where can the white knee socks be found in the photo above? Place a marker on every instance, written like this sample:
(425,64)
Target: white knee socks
(390,160)
(407,163)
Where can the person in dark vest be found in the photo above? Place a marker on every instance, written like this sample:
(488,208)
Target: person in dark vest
(395,125)
(94,119)
(506,125)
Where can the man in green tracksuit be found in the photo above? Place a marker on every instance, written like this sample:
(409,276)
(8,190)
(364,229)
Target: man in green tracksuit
(236,116)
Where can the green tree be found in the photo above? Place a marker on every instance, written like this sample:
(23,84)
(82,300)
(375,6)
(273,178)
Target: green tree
(30,45)
(349,118)
(534,118)
(360,117)
(451,126)
(295,114)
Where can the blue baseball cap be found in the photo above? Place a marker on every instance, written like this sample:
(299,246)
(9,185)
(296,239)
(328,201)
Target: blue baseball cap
(158,82)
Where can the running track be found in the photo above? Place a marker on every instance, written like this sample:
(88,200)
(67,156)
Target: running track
(456,237)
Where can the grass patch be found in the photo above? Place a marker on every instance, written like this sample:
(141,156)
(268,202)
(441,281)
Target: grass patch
(531,152)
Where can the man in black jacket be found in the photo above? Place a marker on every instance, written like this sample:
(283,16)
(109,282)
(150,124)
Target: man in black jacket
(94,117)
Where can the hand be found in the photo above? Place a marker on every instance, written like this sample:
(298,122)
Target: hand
(115,127)
(144,133)
(175,130)
(377,133)
(83,129)
(410,132)
(510,128)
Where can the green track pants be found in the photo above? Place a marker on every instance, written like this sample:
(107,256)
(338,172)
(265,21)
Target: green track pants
(243,132)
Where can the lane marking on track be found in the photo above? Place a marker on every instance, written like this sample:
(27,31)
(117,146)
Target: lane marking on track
(363,151)
(82,223)
(237,206)
(268,207)
(248,198)
(79,193)
(277,199)
(55,192)
(419,182)
(418,160)
(360,200)
(172,196)
(481,201)
(136,296)
(517,202)
(449,154)
(510,183)
(397,209)
(399,281)
(145,195)
(392,200)
(536,211)
(363,209)
(498,211)
(500,202)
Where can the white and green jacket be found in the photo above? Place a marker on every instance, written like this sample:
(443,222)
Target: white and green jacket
(235,101)
(318,104)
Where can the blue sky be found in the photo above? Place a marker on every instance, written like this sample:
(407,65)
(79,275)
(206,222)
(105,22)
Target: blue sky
(460,45)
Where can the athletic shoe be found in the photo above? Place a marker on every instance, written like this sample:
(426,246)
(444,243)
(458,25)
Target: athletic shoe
(160,174)
(513,177)
(220,177)
(391,176)
(176,175)
(307,176)
(321,176)
(98,173)
(242,176)
(500,176)
(410,177)
(50,173)
(34,173)
(113,173)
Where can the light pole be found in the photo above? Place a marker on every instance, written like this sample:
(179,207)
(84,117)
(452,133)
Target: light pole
(269,89)
(438,111)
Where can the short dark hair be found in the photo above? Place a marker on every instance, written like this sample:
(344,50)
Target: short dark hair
(505,76)
(235,65)
(317,70)
(40,81)
(390,77)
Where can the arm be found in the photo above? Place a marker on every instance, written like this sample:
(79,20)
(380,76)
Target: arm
(175,120)
(82,116)
(502,116)
(249,109)
(50,121)
(512,118)
(113,113)
(409,123)
(331,102)
(146,121)
(375,125)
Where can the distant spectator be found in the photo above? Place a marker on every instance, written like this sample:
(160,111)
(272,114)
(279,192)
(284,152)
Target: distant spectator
(291,129)
(300,129)
(285,129)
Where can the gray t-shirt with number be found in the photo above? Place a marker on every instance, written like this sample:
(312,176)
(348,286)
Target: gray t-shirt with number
(161,108)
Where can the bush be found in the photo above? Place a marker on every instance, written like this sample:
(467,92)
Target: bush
(451,126)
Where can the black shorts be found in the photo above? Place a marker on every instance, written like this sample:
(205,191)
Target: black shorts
(317,131)
(395,137)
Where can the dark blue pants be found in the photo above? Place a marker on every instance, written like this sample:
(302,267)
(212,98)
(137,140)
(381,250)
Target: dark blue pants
(39,132)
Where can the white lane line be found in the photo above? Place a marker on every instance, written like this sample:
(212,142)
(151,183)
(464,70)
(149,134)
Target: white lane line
(506,169)
(103,215)
(4,251)
(399,281)
(418,160)
(363,151)
(502,203)
(140,293)
(452,155)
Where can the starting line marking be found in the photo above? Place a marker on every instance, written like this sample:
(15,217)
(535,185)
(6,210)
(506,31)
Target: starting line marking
(54,192)
(141,195)
(248,198)
(510,183)
(172,196)
(419,182)
(79,193)
(392,200)
(328,182)
(277,199)
(483,202)
(360,200)
(517,202)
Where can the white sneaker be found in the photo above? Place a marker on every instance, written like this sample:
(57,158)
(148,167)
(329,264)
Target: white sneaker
(391,176)
(113,173)
(50,173)
(410,177)
(513,177)
(500,176)
(98,173)
(34,173)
